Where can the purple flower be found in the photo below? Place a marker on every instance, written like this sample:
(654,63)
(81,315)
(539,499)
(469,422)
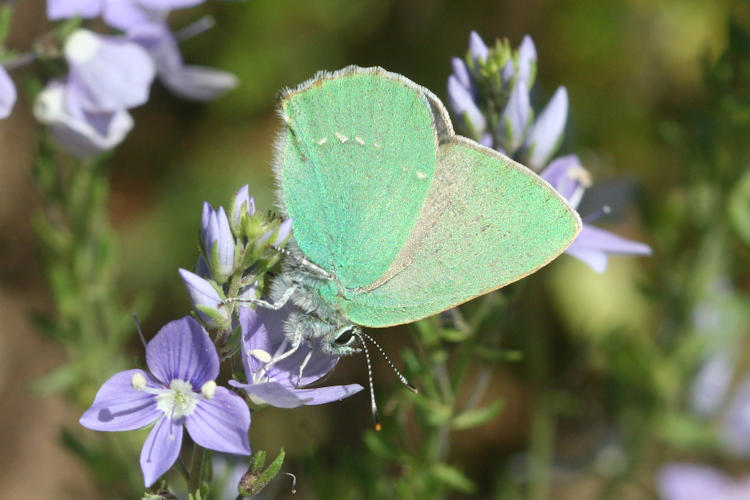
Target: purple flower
(107,73)
(282,232)
(735,429)
(218,242)
(7,93)
(477,48)
(711,383)
(206,300)
(684,481)
(545,135)
(592,245)
(63,9)
(279,383)
(461,101)
(516,117)
(76,130)
(198,83)
(179,392)
(243,206)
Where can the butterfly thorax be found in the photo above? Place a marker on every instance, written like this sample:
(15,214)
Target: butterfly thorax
(314,317)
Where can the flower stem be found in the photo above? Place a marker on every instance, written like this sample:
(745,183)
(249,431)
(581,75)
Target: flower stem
(195,478)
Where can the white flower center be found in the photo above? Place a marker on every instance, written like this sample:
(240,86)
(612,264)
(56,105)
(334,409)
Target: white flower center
(179,400)
(81,47)
(581,176)
(48,106)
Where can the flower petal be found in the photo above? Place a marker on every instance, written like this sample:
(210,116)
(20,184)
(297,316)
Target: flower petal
(595,259)
(161,449)
(128,14)
(206,300)
(119,407)
(691,482)
(199,83)
(567,176)
(256,337)
(113,73)
(271,393)
(462,104)
(63,9)
(182,350)
(322,395)
(221,423)
(515,117)
(527,61)
(8,93)
(461,72)
(545,134)
(80,133)
(477,48)
(169,4)
(594,238)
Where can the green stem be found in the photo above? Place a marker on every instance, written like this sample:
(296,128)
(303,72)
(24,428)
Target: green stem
(196,469)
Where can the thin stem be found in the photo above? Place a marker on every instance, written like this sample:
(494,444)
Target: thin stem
(195,478)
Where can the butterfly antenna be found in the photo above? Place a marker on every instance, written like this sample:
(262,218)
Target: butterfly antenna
(373,405)
(390,363)
(138,327)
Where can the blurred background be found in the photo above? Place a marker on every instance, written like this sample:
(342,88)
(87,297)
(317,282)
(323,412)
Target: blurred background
(653,121)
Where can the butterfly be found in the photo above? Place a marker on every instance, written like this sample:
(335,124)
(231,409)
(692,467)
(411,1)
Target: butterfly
(394,216)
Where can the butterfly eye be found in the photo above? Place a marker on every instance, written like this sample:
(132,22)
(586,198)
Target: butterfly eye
(346,337)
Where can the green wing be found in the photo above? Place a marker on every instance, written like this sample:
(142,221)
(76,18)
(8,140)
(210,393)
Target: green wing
(487,221)
(354,166)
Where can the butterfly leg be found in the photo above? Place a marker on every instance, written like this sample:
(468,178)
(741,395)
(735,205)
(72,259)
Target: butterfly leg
(302,367)
(278,304)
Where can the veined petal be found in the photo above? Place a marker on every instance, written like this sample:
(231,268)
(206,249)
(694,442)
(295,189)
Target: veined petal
(256,337)
(546,133)
(119,407)
(161,449)
(221,423)
(8,93)
(182,350)
(63,9)
(129,14)
(322,395)
(206,300)
(692,482)
(271,393)
(592,237)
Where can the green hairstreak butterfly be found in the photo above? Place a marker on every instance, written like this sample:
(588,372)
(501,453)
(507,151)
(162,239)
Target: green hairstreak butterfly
(394,216)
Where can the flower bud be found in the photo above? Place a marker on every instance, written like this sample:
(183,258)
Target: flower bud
(218,242)
(206,301)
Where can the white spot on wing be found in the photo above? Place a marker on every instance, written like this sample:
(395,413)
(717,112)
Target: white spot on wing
(421,175)
(377,146)
(322,141)
(341,137)
(359,140)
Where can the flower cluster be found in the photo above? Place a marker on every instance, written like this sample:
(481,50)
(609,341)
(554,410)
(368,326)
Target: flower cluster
(181,389)
(489,95)
(86,111)
(228,249)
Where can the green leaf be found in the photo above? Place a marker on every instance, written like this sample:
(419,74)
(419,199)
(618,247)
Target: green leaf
(6,15)
(477,416)
(738,207)
(452,477)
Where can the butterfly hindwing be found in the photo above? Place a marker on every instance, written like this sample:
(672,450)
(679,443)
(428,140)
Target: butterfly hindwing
(487,221)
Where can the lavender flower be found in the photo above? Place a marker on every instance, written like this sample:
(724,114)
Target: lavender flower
(710,386)
(243,207)
(218,242)
(545,135)
(279,383)
(282,233)
(76,130)
(206,300)
(684,481)
(180,391)
(7,93)
(107,73)
(63,9)
(592,245)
